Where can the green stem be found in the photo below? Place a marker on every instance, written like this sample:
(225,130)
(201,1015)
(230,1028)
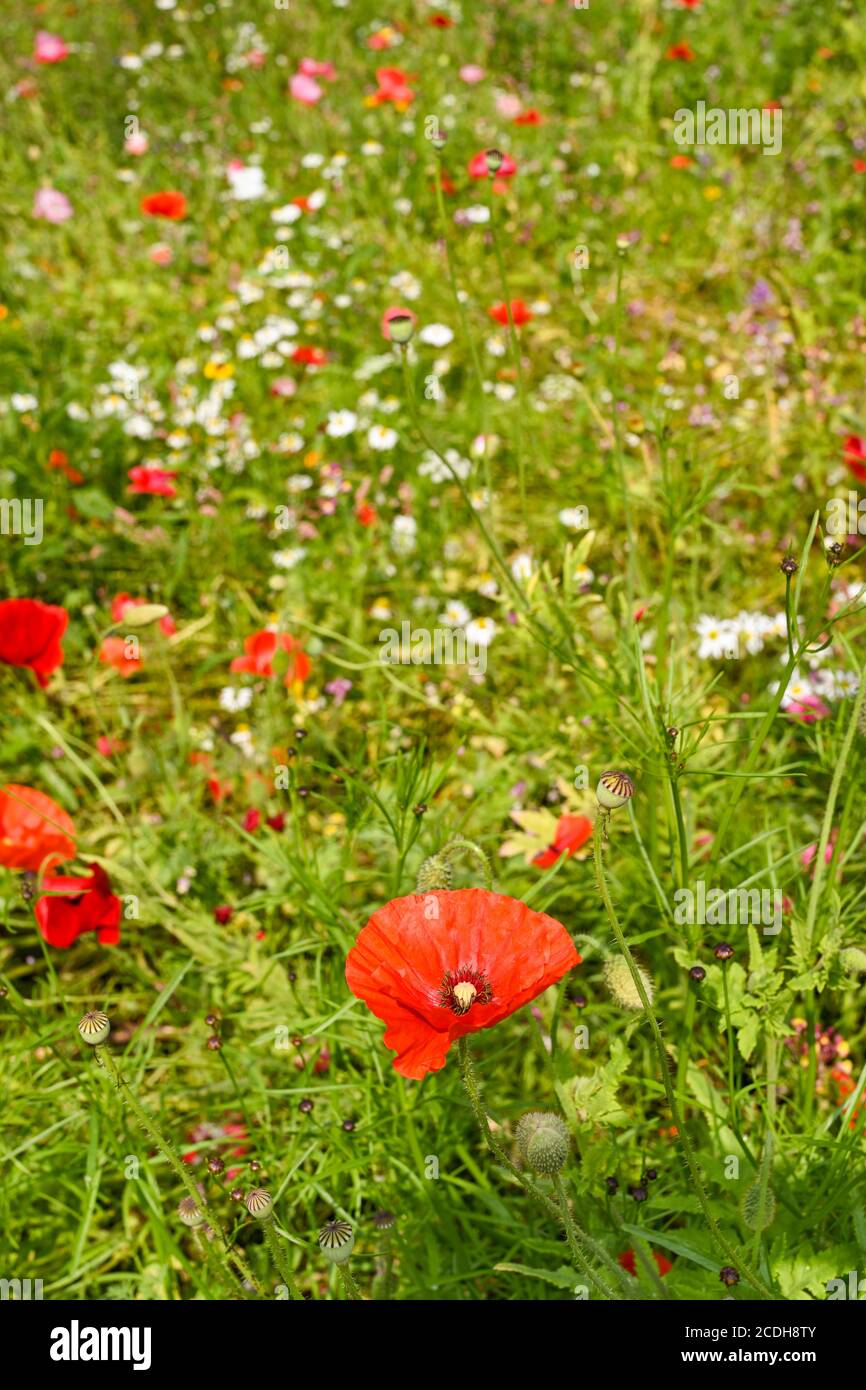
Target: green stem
(577,1254)
(277,1256)
(151,1128)
(722,1244)
(349,1283)
(461,846)
(514,344)
(470,1083)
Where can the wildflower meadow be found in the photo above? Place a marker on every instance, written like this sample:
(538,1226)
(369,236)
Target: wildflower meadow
(432,719)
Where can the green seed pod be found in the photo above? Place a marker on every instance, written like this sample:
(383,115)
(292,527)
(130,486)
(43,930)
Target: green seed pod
(189,1213)
(259,1203)
(614,790)
(94,1028)
(493,159)
(436,872)
(142,614)
(756,1214)
(623,989)
(543,1141)
(400,328)
(337,1241)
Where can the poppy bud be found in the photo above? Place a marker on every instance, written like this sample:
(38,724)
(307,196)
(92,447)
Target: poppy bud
(758,1212)
(729,1276)
(619,981)
(853,960)
(142,614)
(439,140)
(337,1241)
(493,159)
(94,1028)
(189,1213)
(400,327)
(435,872)
(543,1141)
(259,1204)
(614,790)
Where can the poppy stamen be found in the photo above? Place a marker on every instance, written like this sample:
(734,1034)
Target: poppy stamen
(462,988)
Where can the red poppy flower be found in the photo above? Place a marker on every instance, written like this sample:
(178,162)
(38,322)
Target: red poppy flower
(59,459)
(478,167)
(310,356)
(441,21)
(393,86)
(114,652)
(170,205)
(529,117)
(680,161)
(436,966)
(855,456)
(30,635)
(572,833)
(366,515)
(260,650)
(520,314)
(153,481)
(34,830)
(680,52)
(859,166)
(627,1260)
(121,602)
(78,905)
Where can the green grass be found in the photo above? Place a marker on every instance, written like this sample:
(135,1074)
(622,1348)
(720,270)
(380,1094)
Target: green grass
(690,512)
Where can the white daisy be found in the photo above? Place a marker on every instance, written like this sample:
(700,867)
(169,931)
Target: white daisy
(340,423)
(481,631)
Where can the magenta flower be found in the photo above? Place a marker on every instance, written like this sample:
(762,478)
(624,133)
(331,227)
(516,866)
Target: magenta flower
(49,48)
(305,89)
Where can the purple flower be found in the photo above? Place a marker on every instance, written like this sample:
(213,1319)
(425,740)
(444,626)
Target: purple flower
(339,688)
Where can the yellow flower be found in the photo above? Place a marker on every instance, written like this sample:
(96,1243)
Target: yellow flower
(219,371)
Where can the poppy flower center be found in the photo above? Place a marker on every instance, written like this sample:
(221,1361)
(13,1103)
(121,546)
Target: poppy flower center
(462,988)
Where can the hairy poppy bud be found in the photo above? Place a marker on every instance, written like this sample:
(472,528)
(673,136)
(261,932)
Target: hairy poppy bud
(337,1241)
(853,960)
(757,1211)
(619,981)
(189,1213)
(259,1203)
(435,872)
(543,1141)
(493,159)
(614,790)
(94,1028)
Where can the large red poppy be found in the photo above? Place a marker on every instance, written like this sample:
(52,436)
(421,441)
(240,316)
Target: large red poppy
(435,966)
(78,905)
(170,204)
(34,830)
(478,166)
(572,833)
(260,650)
(30,633)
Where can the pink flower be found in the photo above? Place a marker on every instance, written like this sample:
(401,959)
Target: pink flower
(161,253)
(471,73)
(508,105)
(305,89)
(807,709)
(811,851)
(137,143)
(478,167)
(49,48)
(310,68)
(52,206)
(283,386)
